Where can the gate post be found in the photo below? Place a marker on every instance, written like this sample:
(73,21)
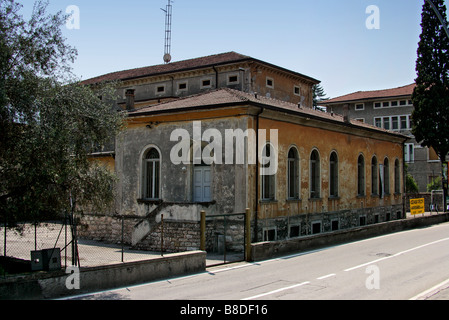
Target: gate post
(247,235)
(203,231)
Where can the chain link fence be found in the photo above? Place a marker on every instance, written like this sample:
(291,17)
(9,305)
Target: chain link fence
(19,242)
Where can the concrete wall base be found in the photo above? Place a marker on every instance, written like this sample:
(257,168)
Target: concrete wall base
(267,250)
(51,285)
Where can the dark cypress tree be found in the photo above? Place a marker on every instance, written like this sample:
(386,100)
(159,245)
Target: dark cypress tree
(431,95)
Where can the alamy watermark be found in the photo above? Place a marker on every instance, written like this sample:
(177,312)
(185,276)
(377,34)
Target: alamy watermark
(207,147)
(73,280)
(373,281)
(373,20)
(73,21)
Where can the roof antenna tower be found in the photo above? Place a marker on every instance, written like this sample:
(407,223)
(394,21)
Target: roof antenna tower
(168,19)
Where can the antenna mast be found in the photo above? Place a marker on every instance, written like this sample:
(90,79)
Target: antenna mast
(168,19)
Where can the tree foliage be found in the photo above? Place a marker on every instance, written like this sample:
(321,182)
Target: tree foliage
(49,123)
(318,95)
(431,95)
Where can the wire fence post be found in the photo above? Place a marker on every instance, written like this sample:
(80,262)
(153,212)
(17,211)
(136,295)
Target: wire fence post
(35,236)
(123,231)
(4,247)
(162,234)
(203,231)
(248,235)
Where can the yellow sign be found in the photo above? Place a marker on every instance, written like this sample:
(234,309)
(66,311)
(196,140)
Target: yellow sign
(417,206)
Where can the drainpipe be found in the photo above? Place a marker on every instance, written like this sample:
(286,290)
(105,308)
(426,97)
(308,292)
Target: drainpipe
(256,229)
(216,77)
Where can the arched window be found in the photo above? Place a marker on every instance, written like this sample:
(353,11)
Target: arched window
(397,177)
(374,177)
(361,176)
(151,173)
(333,175)
(386,176)
(315,175)
(268,180)
(293,174)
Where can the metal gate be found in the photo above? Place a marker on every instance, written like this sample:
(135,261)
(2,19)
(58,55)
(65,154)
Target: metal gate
(225,238)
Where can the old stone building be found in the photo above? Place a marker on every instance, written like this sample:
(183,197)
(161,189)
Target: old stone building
(391,109)
(257,144)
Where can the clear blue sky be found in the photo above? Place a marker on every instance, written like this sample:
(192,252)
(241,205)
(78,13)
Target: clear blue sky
(324,39)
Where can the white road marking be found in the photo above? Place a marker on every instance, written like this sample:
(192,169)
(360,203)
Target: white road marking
(396,255)
(276,291)
(327,276)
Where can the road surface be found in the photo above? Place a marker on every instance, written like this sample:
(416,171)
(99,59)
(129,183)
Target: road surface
(401,266)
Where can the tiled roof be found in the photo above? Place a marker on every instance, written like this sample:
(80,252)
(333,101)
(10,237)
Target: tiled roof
(169,67)
(226,97)
(203,62)
(376,94)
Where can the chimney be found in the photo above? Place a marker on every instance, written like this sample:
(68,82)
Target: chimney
(346,113)
(129,99)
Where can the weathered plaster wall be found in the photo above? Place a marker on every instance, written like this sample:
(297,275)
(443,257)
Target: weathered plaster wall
(348,148)
(228,189)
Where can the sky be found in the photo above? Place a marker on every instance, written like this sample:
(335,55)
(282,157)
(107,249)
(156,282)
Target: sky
(327,40)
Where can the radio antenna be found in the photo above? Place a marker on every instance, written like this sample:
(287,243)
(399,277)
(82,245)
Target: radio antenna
(168,19)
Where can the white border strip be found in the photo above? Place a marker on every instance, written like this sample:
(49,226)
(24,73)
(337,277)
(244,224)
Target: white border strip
(433,290)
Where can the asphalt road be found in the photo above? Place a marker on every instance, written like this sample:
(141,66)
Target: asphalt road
(401,266)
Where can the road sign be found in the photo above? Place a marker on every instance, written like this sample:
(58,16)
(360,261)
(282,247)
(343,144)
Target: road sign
(417,206)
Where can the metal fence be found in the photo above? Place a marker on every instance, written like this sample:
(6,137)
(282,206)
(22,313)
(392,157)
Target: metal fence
(225,238)
(19,241)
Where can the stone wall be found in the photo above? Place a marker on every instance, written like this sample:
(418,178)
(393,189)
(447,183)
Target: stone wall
(294,226)
(177,236)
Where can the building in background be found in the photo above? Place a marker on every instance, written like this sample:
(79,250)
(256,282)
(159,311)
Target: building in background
(391,109)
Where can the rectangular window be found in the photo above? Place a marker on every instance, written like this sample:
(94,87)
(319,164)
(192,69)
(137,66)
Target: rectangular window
(386,104)
(206,83)
(378,122)
(394,103)
(362,220)
(394,123)
(377,105)
(270,83)
(233,79)
(202,184)
(403,102)
(316,227)
(297,90)
(409,152)
(386,123)
(360,106)
(404,123)
(295,231)
(182,86)
(335,225)
(269,234)
(160,89)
